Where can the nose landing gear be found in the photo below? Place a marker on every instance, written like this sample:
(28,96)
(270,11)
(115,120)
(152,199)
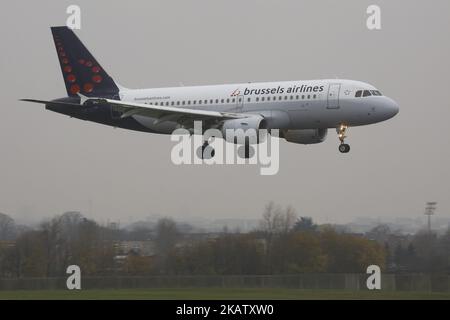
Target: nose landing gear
(343,147)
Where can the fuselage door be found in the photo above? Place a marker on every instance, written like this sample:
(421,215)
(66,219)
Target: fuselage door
(333,96)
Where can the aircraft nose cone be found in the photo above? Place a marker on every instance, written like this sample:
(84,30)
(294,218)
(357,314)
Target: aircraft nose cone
(390,107)
(394,108)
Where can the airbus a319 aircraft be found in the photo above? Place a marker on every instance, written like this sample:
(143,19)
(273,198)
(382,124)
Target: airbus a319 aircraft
(303,111)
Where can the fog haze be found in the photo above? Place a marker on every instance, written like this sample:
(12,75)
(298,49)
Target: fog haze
(51,163)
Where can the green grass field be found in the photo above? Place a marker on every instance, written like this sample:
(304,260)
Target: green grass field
(215,293)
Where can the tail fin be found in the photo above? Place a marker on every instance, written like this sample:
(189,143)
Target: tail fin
(81,71)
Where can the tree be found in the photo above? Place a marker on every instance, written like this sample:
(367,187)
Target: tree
(167,235)
(31,256)
(379,233)
(7,227)
(298,252)
(275,220)
(351,253)
(73,239)
(304,224)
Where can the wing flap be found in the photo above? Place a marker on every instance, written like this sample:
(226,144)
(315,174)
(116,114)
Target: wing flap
(158,111)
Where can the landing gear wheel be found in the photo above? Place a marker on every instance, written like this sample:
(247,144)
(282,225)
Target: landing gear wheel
(206,151)
(344,148)
(246,151)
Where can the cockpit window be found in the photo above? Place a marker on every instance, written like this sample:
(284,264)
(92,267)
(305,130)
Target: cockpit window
(375,92)
(367,93)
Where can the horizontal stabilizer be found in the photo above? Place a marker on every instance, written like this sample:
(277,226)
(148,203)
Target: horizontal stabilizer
(51,103)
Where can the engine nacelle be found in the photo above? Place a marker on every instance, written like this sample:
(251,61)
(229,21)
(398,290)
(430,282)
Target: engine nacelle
(305,136)
(244,130)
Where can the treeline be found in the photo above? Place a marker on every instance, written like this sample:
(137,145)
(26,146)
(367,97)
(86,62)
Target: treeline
(283,244)
(288,253)
(423,252)
(64,240)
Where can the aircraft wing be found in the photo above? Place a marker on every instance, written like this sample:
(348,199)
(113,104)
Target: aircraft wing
(123,109)
(128,109)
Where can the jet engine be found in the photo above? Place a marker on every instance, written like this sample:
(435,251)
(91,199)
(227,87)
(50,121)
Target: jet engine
(243,130)
(305,136)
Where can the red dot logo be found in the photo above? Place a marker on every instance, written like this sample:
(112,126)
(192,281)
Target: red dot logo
(88,87)
(96,69)
(71,78)
(74,89)
(67,69)
(97,78)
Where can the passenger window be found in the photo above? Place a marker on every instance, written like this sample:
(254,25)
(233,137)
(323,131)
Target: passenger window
(262,99)
(366,93)
(199,101)
(189,102)
(358,93)
(268,98)
(178,103)
(314,96)
(217,100)
(303,96)
(172,103)
(309,96)
(257,99)
(167,103)
(228,100)
(280,97)
(285,97)
(248,99)
(206,101)
(296,97)
(292,97)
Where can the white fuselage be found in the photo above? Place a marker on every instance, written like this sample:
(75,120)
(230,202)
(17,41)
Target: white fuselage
(285,105)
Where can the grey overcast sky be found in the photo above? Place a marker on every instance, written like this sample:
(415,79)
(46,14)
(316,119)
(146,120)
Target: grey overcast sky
(51,163)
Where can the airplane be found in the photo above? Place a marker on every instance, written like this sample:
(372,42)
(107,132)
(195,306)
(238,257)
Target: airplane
(302,111)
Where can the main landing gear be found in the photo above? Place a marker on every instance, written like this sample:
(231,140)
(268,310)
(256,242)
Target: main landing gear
(343,147)
(206,151)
